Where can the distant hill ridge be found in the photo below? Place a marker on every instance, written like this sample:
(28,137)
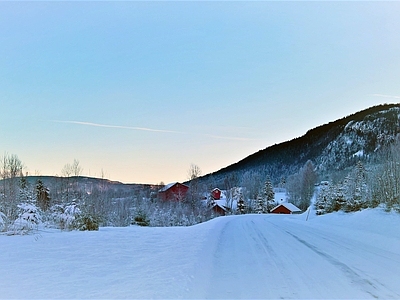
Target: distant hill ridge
(332,146)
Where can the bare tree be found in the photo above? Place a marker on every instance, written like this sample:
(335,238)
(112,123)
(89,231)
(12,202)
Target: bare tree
(230,182)
(301,185)
(11,171)
(194,173)
(76,169)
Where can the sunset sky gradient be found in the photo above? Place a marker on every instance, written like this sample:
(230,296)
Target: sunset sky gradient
(141,90)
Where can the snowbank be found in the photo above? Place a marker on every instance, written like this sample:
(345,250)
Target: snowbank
(251,256)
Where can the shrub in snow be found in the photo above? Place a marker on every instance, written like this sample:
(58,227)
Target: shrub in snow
(141,219)
(28,219)
(3,221)
(64,216)
(87,222)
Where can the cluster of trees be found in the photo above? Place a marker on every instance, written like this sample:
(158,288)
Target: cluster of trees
(264,202)
(70,203)
(378,183)
(347,195)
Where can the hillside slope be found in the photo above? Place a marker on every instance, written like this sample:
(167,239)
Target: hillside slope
(335,145)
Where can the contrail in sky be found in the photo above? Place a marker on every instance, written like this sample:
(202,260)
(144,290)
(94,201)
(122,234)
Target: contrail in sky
(149,129)
(386,96)
(118,126)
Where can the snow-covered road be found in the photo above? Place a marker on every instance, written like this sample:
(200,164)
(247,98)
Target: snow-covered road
(251,256)
(276,257)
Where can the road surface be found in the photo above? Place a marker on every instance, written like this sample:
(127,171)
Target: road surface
(272,256)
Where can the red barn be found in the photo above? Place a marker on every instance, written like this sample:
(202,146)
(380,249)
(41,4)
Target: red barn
(216,194)
(285,208)
(173,192)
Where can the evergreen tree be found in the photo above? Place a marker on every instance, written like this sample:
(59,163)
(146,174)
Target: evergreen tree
(338,197)
(42,195)
(241,206)
(323,202)
(260,205)
(269,195)
(28,218)
(356,189)
(24,194)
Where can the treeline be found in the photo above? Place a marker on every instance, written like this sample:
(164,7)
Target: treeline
(70,202)
(369,186)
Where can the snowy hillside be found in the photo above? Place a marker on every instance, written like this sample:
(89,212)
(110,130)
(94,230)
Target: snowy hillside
(250,256)
(332,146)
(361,139)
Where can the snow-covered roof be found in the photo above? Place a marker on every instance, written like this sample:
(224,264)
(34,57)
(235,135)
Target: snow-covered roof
(170,185)
(289,206)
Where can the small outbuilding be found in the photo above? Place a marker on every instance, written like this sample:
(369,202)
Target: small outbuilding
(285,208)
(219,209)
(173,192)
(216,194)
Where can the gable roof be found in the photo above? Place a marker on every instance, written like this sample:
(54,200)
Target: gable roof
(170,185)
(289,206)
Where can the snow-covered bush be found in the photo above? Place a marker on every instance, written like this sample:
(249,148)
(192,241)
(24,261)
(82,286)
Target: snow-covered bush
(70,217)
(28,219)
(3,221)
(64,216)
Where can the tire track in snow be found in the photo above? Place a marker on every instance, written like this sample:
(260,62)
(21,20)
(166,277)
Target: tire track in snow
(366,253)
(354,276)
(269,257)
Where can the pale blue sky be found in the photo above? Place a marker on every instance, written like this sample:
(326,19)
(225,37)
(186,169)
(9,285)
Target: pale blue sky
(144,89)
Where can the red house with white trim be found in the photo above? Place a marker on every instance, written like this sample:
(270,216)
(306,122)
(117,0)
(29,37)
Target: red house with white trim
(173,192)
(285,208)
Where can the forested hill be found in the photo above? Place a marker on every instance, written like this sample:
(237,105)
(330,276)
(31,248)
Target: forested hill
(332,146)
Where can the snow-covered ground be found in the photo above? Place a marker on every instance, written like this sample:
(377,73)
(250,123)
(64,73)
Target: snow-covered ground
(251,256)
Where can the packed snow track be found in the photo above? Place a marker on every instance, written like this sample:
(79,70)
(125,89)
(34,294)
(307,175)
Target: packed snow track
(337,256)
(275,257)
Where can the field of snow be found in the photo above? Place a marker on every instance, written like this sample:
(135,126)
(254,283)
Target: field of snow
(251,256)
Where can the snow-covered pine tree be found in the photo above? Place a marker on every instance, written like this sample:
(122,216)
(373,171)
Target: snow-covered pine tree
(28,219)
(260,204)
(356,189)
(324,200)
(241,206)
(269,195)
(338,197)
(25,195)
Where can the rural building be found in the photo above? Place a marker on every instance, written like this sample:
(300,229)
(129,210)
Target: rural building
(173,192)
(216,194)
(285,208)
(219,209)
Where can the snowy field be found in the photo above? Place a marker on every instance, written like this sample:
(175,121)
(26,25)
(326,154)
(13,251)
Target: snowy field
(251,256)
